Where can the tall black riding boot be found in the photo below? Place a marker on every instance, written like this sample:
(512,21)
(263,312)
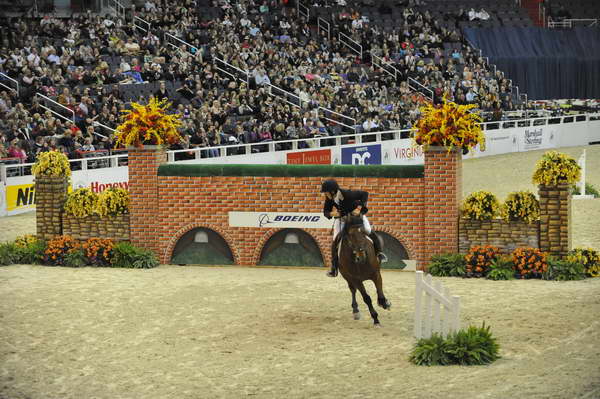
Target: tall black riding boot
(333,270)
(378,247)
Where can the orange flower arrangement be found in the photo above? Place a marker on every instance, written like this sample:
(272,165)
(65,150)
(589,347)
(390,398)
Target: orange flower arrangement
(479,259)
(529,262)
(98,251)
(450,125)
(149,124)
(57,248)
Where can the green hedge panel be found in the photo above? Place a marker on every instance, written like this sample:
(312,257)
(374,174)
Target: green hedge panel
(204,170)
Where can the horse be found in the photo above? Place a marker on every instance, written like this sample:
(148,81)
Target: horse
(358,262)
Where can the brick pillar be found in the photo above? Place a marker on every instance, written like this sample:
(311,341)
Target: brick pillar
(442,191)
(143,188)
(555,219)
(50,197)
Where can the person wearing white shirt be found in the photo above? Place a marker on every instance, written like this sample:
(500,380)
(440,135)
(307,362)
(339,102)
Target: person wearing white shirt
(53,58)
(472,14)
(149,6)
(483,15)
(244,22)
(283,24)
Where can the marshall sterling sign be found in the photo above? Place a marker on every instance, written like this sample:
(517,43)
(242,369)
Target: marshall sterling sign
(270,220)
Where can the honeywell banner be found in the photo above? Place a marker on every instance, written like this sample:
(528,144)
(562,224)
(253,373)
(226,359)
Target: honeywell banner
(275,220)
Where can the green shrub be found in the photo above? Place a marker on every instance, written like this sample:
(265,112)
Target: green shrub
(447,265)
(33,252)
(472,346)
(431,352)
(501,269)
(75,258)
(589,190)
(9,254)
(563,270)
(127,255)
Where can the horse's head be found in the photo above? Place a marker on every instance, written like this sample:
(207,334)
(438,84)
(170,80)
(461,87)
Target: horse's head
(357,238)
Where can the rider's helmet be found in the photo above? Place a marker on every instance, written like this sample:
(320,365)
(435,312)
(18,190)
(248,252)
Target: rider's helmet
(330,186)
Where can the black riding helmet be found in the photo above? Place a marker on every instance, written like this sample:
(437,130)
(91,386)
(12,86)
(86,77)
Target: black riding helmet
(330,186)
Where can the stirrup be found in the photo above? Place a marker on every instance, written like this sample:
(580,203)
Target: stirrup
(382,258)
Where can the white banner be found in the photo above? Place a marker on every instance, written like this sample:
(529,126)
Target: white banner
(270,220)
(401,152)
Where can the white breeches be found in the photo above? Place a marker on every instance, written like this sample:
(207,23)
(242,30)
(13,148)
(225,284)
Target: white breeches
(338,225)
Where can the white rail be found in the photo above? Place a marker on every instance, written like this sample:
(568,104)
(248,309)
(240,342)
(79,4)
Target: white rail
(346,118)
(416,86)
(303,10)
(440,314)
(137,23)
(381,63)
(118,8)
(346,40)
(44,98)
(324,25)
(6,77)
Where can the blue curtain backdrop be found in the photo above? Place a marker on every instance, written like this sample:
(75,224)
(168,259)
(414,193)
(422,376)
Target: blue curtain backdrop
(545,64)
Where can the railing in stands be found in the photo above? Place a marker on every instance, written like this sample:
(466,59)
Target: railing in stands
(323,25)
(351,44)
(285,96)
(414,85)
(5,78)
(47,100)
(303,10)
(141,24)
(177,44)
(569,23)
(324,113)
(381,63)
(244,76)
(118,8)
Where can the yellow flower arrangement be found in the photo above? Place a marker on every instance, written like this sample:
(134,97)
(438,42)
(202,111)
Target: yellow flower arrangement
(51,164)
(81,202)
(480,205)
(25,240)
(112,201)
(521,205)
(450,125)
(149,124)
(589,258)
(556,168)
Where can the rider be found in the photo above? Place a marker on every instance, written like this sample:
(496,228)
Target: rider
(339,203)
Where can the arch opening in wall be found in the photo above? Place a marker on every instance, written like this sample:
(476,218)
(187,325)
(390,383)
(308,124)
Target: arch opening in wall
(291,247)
(202,246)
(396,252)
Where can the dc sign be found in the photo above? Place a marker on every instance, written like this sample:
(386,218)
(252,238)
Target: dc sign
(363,155)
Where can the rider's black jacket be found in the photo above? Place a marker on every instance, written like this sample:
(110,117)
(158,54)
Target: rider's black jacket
(349,201)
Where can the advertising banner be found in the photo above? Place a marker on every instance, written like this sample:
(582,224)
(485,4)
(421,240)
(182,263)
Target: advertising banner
(362,155)
(270,220)
(537,138)
(402,152)
(316,157)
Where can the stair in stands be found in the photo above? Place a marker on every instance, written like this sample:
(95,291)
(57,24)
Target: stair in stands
(532,7)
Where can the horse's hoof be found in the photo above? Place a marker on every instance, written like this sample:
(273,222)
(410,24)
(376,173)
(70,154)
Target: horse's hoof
(388,305)
(377,325)
(356,315)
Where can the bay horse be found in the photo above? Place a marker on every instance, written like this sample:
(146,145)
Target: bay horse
(358,262)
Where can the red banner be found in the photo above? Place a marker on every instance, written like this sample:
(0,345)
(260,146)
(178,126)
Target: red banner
(317,157)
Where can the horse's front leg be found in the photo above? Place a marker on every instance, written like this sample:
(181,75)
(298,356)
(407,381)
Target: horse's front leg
(355,311)
(381,299)
(367,299)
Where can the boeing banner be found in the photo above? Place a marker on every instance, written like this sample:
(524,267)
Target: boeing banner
(362,155)
(274,220)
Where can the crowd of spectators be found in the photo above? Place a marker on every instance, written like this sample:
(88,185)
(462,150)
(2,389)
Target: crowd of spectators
(246,72)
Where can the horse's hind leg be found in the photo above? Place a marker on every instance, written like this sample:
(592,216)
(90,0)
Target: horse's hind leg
(355,311)
(367,299)
(381,299)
